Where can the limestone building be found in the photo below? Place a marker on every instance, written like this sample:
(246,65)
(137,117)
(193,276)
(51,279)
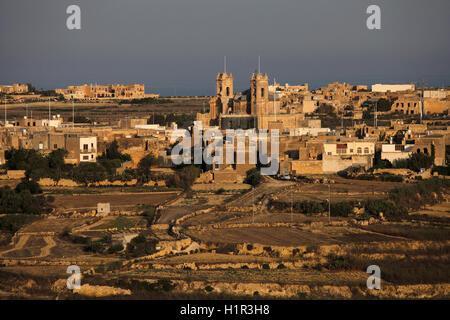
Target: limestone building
(253,108)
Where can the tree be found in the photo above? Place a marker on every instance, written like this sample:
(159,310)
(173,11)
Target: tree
(384,105)
(253,177)
(31,88)
(144,167)
(112,152)
(56,164)
(32,186)
(326,108)
(184,178)
(87,173)
(140,246)
(21,200)
(418,161)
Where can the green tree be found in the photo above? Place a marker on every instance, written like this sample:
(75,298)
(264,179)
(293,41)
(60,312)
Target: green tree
(418,161)
(184,178)
(144,167)
(87,173)
(326,108)
(112,152)
(253,177)
(56,164)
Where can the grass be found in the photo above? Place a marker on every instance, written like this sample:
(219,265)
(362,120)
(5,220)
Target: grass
(107,189)
(408,270)
(412,232)
(118,223)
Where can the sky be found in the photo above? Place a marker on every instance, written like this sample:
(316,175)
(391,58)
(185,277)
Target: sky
(177,46)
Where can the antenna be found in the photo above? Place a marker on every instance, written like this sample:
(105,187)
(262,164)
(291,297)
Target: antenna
(259,64)
(224,64)
(73,116)
(375,115)
(421,102)
(49,112)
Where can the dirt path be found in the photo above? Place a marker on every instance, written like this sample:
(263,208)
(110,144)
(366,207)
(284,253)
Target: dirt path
(19,245)
(45,251)
(269,185)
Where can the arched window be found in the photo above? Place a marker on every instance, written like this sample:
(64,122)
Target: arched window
(359,150)
(262,92)
(228,91)
(366,150)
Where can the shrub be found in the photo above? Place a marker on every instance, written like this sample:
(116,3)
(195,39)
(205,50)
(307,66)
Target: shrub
(115,248)
(337,262)
(253,177)
(13,222)
(209,288)
(29,185)
(140,246)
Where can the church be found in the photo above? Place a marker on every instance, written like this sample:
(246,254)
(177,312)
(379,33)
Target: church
(253,108)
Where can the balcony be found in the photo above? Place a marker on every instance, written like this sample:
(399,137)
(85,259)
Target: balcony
(90,150)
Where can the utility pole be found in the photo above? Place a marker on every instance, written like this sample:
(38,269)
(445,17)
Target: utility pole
(292,204)
(329,202)
(49,112)
(253,197)
(421,102)
(375,115)
(73,116)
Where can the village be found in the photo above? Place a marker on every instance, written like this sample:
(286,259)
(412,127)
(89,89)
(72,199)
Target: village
(90,178)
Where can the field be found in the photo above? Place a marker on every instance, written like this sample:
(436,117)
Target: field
(116,200)
(241,247)
(96,111)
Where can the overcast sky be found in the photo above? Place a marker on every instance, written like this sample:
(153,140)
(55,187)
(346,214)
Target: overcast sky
(178,45)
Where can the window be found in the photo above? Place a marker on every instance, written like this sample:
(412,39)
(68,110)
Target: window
(366,150)
(85,157)
(55,146)
(228,91)
(85,146)
(329,153)
(359,150)
(262,92)
(351,150)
